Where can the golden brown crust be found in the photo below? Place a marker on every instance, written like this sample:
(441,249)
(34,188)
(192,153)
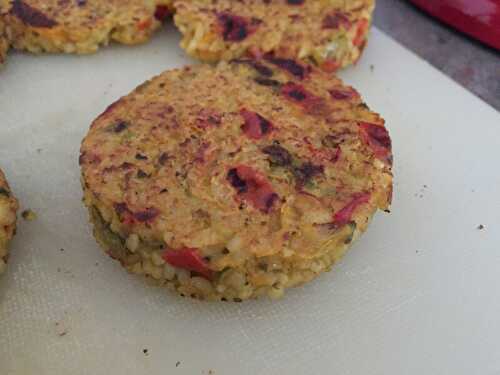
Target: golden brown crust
(80,26)
(8,210)
(330,33)
(4,44)
(250,161)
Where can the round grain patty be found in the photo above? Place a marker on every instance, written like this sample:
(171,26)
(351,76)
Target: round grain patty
(80,26)
(234,181)
(8,210)
(329,33)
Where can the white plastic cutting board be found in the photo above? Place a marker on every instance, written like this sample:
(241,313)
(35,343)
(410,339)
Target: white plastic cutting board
(418,294)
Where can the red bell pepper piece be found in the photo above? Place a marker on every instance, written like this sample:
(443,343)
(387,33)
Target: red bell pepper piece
(255,126)
(162,12)
(377,137)
(344,215)
(252,187)
(363,25)
(188,259)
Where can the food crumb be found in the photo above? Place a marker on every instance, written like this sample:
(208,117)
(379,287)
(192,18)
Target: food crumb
(145,351)
(480,227)
(61,250)
(28,215)
(177,363)
(372,68)
(60,330)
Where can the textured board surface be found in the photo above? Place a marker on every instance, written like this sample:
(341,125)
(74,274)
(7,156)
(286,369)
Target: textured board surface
(417,294)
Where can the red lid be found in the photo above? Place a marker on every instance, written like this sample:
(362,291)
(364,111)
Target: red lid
(477,18)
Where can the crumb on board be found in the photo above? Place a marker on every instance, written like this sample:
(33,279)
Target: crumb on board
(372,68)
(28,214)
(60,330)
(177,363)
(480,227)
(145,351)
(65,272)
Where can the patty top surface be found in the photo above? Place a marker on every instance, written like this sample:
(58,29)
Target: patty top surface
(272,150)
(287,27)
(8,209)
(74,15)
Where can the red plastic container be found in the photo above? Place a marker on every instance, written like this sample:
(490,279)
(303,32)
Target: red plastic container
(479,19)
